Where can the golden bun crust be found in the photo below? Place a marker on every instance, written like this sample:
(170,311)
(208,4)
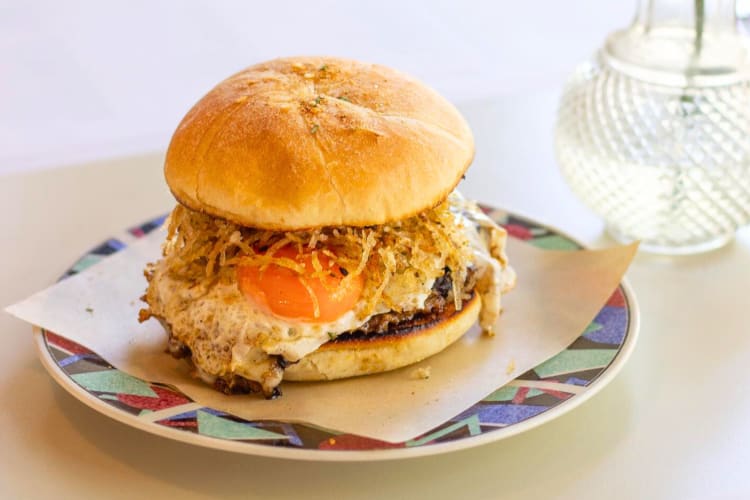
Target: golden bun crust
(306,142)
(334,360)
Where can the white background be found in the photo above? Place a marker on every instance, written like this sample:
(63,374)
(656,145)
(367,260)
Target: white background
(82,80)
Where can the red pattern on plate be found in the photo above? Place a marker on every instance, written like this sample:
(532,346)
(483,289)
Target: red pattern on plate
(192,423)
(68,345)
(351,442)
(617,299)
(517,231)
(165,399)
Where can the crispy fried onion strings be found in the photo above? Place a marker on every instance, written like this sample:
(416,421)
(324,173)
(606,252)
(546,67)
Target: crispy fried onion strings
(402,255)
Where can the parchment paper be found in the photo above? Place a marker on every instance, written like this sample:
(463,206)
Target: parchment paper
(557,295)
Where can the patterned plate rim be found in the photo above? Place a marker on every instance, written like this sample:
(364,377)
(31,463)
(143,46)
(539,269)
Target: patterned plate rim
(601,380)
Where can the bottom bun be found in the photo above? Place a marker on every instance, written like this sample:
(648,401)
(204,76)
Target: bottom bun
(352,355)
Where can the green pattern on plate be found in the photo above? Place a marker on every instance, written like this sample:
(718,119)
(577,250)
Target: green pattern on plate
(114,381)
(534,392)
(575,360)
(554,242)
(85,262)
(593,327)
(218,427)
(472,423)
(505,393)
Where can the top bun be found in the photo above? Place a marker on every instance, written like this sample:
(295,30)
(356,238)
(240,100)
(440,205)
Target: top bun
(306,142)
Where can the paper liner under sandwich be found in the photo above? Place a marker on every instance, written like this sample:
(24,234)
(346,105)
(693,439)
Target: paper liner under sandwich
(557,295)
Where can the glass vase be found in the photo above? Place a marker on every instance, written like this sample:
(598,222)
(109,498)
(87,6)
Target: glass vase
(654,132)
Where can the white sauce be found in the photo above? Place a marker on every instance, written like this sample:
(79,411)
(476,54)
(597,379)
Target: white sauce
(487,241)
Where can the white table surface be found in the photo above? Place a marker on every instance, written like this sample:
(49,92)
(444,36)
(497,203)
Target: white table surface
(674,424)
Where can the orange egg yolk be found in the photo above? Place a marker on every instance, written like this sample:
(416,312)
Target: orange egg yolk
(304,296)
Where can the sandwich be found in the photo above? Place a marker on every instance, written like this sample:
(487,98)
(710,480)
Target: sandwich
(318,232)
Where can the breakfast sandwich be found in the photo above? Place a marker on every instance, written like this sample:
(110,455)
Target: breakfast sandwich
(318,233)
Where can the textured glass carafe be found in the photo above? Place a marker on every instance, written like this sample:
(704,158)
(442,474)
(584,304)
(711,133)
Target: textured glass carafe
(654,132)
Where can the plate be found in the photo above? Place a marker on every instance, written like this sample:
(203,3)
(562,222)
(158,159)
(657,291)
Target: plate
(538,396)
